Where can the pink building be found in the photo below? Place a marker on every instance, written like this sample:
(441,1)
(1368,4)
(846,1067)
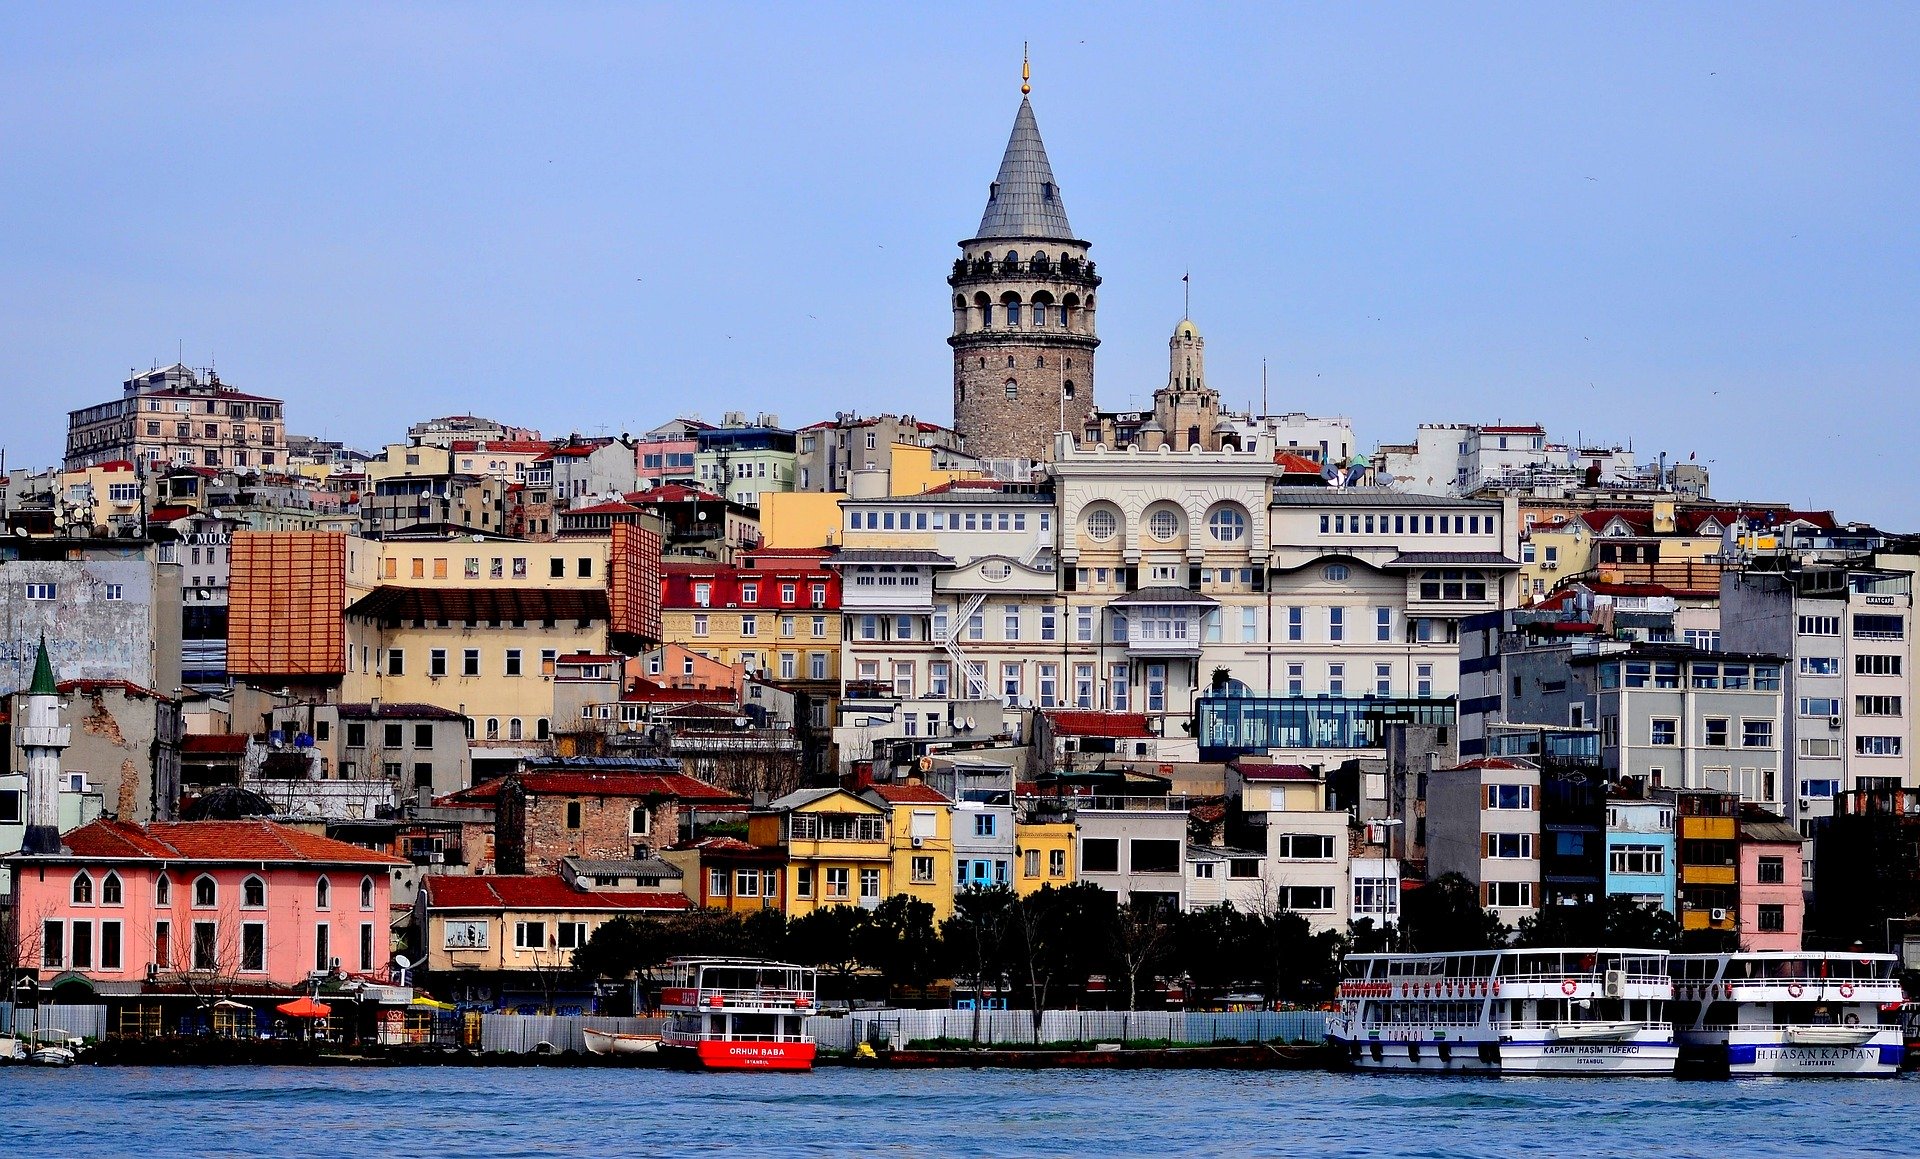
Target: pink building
(251,903)
(1772,906)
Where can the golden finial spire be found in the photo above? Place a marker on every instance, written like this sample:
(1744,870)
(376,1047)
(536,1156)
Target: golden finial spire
(1026,71)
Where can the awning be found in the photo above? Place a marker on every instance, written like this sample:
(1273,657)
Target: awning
(432,1004)
(304,1008)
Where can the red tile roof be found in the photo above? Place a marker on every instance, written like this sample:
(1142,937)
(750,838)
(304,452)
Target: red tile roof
(571,784)
(539,892)
(1256,771)
(204,745)
(910,795)
(1080,722)
(125,686)
(223,841)
(610,508)
(1494,763)
(673,493)
(1292,464)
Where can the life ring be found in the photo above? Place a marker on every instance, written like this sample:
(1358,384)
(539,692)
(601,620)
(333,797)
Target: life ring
(1496,986)
(1846,989)
(1852,1019)
(1795,989)
(1568,986)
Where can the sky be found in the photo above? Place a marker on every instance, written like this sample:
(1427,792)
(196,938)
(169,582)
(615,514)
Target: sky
(1688,228)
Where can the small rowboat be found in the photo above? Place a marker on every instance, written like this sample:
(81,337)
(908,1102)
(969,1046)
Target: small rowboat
(607,1042)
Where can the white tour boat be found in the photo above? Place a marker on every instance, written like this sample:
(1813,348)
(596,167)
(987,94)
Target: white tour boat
(738,1013)
(1788,1012)
(1525,1011)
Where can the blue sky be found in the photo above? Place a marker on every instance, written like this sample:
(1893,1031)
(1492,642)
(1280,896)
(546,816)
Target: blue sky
(1690,226)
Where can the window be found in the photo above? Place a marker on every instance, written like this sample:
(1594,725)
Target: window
(396,662)
(115,592)
(1423,680)
(837,883)
(1771,871)
(253,894)
(749,625)
(1163,525)
(1771,919)
(1117,687)
(922,869)
(1049,626)
(110,892)
(109,945)
(1452,585)
(1648,860)
(205,946)
(1151,855)
(869,885)
(513,662)
(530,935)
(393,735)
(1010,622)
(1868,665)
(1663,732)
(82,891)
(1336,624)
(1876,706)
(1756,734)
(1877,746)
(1716,731)
(205,893)
(1302,847)
(1509,846)
(1876,627)
(1336,680)
(253,947)
(573,814)
(1510,894)
(43,591)
(1156,688)
(1819,625)
(1010,681)
(1226,523)
(1828,665)
(985,824)
(1510,796)
(1100,855)
(1306,898)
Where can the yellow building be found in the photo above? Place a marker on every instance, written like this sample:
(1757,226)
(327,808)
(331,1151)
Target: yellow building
(1043,855)
(812,518)
(506,924)
(474,626)
(921,836)
(839,851)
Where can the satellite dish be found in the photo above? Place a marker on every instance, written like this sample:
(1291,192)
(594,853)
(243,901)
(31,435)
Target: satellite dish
(741,722)
(302,741)
(402,961)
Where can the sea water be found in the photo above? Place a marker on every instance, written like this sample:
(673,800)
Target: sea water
(500,1113)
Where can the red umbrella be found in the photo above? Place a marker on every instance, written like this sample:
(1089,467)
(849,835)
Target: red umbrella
(304,1008)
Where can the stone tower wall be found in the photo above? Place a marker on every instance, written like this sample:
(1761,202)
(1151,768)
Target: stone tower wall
(1042,360)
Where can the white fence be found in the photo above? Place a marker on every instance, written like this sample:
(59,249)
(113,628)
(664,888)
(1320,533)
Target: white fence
(56,1021)
(522,1033)
(1015,1027)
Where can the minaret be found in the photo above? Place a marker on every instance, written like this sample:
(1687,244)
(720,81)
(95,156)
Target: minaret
(1023,309)
(41,736)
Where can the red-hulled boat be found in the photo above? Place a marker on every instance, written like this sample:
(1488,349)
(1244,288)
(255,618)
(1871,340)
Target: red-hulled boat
(738,1014)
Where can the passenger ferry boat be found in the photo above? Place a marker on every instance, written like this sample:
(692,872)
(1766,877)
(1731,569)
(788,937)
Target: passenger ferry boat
(1788,1012)
(1531,1011)
(738,1014)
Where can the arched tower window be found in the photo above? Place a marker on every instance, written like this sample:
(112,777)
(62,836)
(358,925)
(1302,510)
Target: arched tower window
(83,888)
(1040,361)
(253,893)
(1013,389)
(110,891)
(1067,389)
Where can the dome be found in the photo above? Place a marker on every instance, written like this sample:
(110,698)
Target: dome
(1186,329)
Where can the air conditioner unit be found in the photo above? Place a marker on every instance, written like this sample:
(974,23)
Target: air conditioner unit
(1070,744)
(1718,915)
(1833,722)
(333,965)
(1616,984)
(919,842)
(1551,565)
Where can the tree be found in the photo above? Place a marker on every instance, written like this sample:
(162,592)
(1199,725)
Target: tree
(1053,938)
(1445,914)
(1614,920)
(900,942)
(1142,940)
(830,938)
(974,939)
(1363,937)
(1211,948)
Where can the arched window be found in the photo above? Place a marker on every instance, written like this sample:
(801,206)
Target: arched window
(1013,313)
(513,729)
(1164,524)
(163,890)
(253,894)
(1101,524)
(205,893)
(1337,573)
(1040,361)
(493,728)
(1009,362)
(1039,315)
(1013,388)
(541,729)
(110,891)
(83,888)
(323,894)
(1227,523)
(366,893)
(641,823)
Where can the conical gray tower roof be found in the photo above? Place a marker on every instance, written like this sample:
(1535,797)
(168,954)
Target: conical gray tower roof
(1025,200)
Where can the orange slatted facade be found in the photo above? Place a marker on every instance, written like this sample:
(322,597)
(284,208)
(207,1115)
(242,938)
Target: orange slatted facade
(633,586)
(286,604)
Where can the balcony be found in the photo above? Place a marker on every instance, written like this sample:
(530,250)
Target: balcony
(1707,828)
(1708,875)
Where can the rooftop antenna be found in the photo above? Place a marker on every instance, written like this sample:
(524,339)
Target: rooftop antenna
(1026,71)
(1186,288)
(1263,388)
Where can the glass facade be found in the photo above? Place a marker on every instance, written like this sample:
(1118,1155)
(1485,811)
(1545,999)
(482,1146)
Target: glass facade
(1230,725)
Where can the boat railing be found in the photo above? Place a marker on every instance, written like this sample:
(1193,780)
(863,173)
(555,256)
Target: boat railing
(1858,989)
(1774,1027)
(1584,978)
(686,1036)
(714,999)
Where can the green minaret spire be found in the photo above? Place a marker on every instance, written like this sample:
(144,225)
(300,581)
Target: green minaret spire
(42,674)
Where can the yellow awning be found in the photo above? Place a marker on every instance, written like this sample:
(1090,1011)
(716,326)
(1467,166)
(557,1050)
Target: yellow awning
(422,1000)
